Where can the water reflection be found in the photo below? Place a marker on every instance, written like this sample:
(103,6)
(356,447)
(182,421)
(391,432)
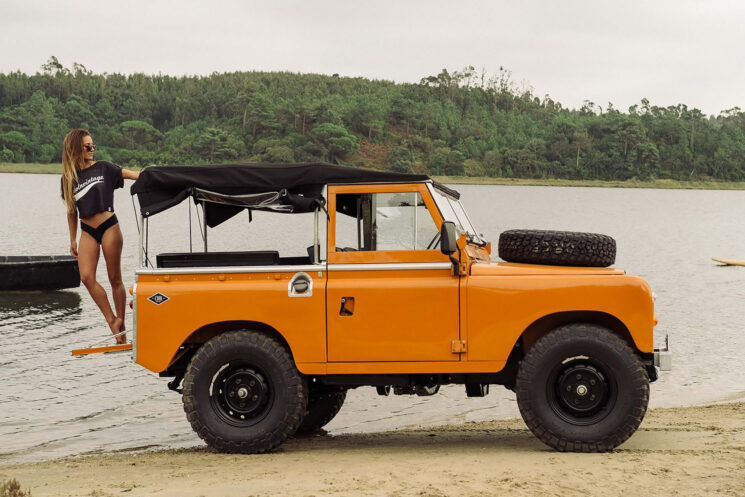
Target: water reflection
(30,303)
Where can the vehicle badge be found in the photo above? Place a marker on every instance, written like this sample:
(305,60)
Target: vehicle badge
(158,298)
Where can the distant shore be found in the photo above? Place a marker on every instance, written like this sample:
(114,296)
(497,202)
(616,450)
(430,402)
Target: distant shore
(686,452)
(667,184)
(664,184)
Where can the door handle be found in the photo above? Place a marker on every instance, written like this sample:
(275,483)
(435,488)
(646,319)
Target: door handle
(347,306)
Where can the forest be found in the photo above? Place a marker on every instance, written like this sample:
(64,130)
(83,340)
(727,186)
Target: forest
(455,123)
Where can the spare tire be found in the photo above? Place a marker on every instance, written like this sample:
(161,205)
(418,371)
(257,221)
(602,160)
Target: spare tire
(557,248)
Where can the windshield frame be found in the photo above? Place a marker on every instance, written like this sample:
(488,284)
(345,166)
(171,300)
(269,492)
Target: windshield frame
(451,209)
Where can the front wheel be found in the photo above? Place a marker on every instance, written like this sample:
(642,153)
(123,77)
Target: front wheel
(243,393)
(581,388)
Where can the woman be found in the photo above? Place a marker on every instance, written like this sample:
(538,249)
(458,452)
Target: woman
(88,191)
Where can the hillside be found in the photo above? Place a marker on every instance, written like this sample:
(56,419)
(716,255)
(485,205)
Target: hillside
(455,124)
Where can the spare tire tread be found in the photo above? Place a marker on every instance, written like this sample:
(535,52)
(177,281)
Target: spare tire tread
(557,248)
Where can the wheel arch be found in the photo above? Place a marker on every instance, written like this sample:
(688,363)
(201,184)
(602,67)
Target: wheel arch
(201,335)
(546,324)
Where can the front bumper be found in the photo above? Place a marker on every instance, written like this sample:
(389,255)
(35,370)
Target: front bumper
(663,358)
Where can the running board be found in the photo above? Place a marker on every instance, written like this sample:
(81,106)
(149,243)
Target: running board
(103,350)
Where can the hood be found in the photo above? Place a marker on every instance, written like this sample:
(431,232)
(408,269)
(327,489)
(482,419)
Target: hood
(515,269)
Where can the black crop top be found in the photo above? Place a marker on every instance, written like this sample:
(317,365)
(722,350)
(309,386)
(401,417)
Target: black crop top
(95,190)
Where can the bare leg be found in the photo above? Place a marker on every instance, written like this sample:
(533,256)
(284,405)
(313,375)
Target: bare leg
(88,254)
(112,251)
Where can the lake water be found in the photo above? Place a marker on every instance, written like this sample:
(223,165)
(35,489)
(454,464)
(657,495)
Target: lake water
(53,405)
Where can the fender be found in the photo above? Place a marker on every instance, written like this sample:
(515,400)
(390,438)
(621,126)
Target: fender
(501,308)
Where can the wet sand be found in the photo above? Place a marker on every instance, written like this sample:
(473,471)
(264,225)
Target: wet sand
(690,451)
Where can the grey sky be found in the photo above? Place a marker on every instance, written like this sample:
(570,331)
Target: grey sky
(573,50)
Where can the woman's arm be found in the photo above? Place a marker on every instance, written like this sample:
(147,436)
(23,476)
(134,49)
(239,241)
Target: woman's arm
(72,224)
(127,174)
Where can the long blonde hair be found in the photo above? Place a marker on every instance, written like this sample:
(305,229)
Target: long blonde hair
(72,162)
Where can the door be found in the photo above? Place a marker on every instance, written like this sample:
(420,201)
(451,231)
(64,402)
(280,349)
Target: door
(391,294)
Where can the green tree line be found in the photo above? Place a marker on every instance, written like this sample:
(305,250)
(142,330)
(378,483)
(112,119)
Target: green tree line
(453,123)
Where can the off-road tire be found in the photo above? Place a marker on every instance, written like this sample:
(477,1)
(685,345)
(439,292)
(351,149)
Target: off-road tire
(557,248)
(549,387)
(227,364)
(323,406)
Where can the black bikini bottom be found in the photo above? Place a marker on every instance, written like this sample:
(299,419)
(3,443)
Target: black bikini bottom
(97,232)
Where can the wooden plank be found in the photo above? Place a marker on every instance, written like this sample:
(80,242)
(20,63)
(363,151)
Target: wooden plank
(728,262)
(101,350)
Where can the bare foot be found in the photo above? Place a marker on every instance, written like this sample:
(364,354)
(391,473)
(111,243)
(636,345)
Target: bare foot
(123,336)
(115,325)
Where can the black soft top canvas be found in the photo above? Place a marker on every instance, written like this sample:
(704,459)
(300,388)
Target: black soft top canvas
(161,187)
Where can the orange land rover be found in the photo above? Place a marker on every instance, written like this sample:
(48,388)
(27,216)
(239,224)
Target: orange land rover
(397,291)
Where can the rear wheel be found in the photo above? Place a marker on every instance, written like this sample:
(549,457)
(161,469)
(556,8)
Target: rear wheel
(243,393)
(582,388)
(323,406)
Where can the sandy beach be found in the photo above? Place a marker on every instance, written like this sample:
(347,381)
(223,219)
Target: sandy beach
(690,451)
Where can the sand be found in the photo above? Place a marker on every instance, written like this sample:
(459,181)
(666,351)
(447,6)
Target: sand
(690,451)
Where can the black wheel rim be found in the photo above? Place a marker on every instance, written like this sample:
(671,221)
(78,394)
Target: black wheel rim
(241,394)
(582,391)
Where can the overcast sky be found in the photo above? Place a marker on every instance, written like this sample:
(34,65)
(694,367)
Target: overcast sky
(670,52)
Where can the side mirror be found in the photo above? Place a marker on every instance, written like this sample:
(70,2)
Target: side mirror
(447,238)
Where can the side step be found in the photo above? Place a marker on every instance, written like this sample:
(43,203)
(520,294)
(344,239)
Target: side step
(103,350)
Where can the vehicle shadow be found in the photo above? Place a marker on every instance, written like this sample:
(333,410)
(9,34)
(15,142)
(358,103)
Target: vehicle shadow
(466,439)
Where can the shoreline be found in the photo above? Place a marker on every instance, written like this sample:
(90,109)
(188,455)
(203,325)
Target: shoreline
(658,184)
(664,184)
(685,451)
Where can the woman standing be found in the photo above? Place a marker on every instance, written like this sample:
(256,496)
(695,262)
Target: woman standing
(88,191)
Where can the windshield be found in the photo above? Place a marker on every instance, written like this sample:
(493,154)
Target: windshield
(452,210)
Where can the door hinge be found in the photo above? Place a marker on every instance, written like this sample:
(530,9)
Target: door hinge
(459,346)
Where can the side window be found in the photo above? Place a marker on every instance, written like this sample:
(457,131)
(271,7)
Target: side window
(354,222)
(384,221)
